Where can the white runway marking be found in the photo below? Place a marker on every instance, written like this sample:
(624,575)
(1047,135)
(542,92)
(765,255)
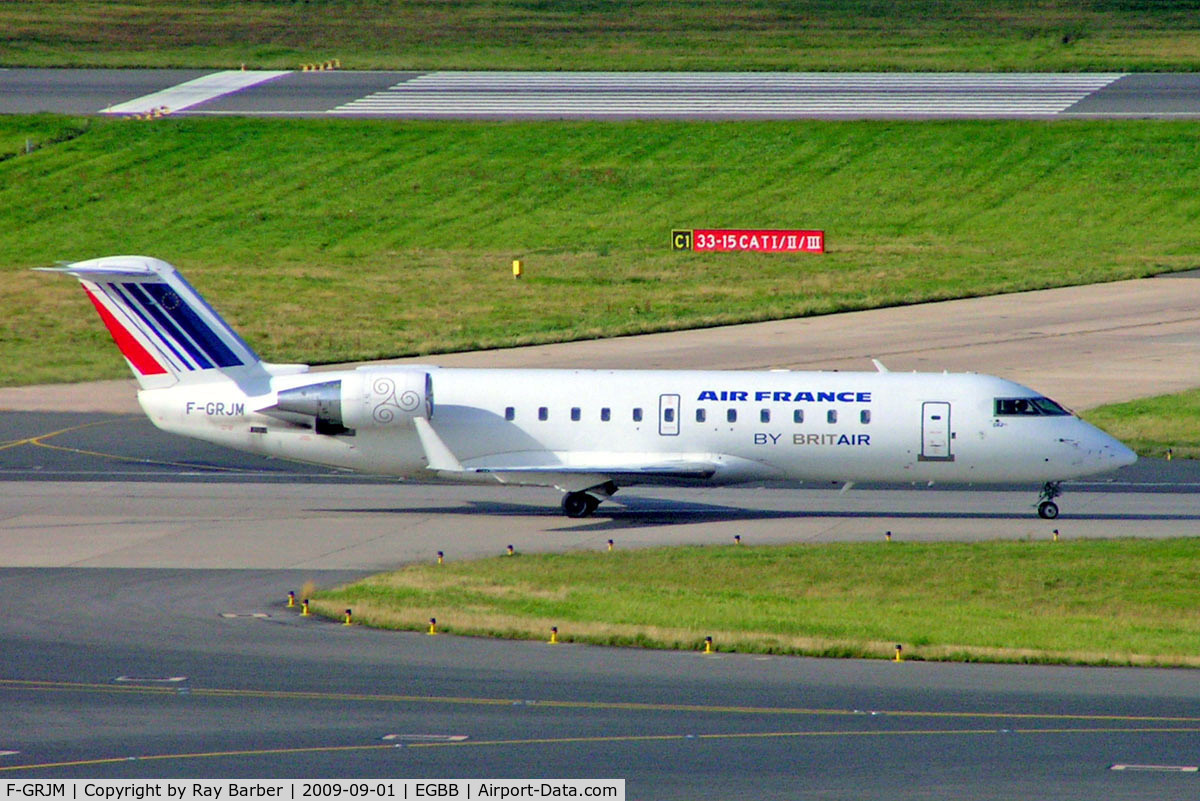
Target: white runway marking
(194,92)
(586,94)
(425,738)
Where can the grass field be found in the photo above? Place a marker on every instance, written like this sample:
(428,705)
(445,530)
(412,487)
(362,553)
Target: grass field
(1152,426)
(1090,602)
(338,240)
(1021,35)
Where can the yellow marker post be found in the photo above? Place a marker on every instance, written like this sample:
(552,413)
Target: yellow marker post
(432,626)
(737,539)
(708,646)
(510,550)
(441,557)
(1056,535)
(291,599)
(899,658)
(610,545)
(517,268)
(349,619)
(304,609)
(888,536)
(553,635)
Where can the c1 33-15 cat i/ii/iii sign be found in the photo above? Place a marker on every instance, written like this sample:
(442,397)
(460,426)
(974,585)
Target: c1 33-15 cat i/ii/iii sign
(584,432)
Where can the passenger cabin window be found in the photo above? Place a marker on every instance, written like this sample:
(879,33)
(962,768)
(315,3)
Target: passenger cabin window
(764,415)
(605,414)
(637,415)
(543,413)
(731,415)
(864,416)
(1028,407)
(510,413)
(668,415)
(831,416)
(797,415)
(700,415)
(575,414)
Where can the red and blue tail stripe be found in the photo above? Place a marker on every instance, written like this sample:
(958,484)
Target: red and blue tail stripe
(160,323)
(185,337)
(133,350)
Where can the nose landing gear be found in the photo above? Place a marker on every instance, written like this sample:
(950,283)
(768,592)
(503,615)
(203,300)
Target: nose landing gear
(1047,508)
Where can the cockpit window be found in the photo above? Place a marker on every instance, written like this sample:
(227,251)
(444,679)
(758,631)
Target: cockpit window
(1015,407)
(1049,407)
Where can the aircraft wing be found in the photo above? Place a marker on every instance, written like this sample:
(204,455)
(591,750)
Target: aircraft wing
(642,473)
(577,478)
(628,469)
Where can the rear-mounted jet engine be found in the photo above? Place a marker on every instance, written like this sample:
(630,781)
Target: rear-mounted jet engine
(371,398)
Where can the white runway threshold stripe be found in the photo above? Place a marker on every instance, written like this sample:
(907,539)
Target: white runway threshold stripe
(583,94)
(196,91)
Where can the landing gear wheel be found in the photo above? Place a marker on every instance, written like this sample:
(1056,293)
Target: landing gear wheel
(579,504)
(1047,510)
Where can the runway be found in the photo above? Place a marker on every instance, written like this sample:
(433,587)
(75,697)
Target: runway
(149,638)
(601,95)
(114,492)
(156,682)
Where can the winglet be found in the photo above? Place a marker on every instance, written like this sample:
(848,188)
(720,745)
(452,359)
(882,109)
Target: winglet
(437,454)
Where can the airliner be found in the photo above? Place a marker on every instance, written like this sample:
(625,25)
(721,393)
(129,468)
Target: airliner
(584,432)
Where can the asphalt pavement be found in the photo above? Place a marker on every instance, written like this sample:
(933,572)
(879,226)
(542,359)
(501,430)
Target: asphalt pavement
(601,95)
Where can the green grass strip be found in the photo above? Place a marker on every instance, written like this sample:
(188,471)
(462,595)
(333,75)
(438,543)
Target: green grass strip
(332,240)
(942,35)
(1157,427)
(1113,602)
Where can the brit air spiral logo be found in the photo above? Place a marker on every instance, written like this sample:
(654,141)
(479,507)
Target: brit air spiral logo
(385,410)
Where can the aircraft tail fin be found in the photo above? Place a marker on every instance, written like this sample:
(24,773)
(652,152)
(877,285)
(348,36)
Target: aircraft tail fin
(163,327)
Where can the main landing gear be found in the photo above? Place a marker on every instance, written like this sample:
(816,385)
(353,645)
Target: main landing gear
(1047,508)
(579,504)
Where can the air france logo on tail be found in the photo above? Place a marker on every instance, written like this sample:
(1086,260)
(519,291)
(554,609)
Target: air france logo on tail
(184,339)
(161,325)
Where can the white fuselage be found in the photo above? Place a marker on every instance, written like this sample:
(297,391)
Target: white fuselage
(586,432)
(749,426)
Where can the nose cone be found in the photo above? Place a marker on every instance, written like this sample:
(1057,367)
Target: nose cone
(1122,456)
(1111,451)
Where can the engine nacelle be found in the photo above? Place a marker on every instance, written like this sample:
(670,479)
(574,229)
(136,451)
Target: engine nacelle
(377,397)
(381,397)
